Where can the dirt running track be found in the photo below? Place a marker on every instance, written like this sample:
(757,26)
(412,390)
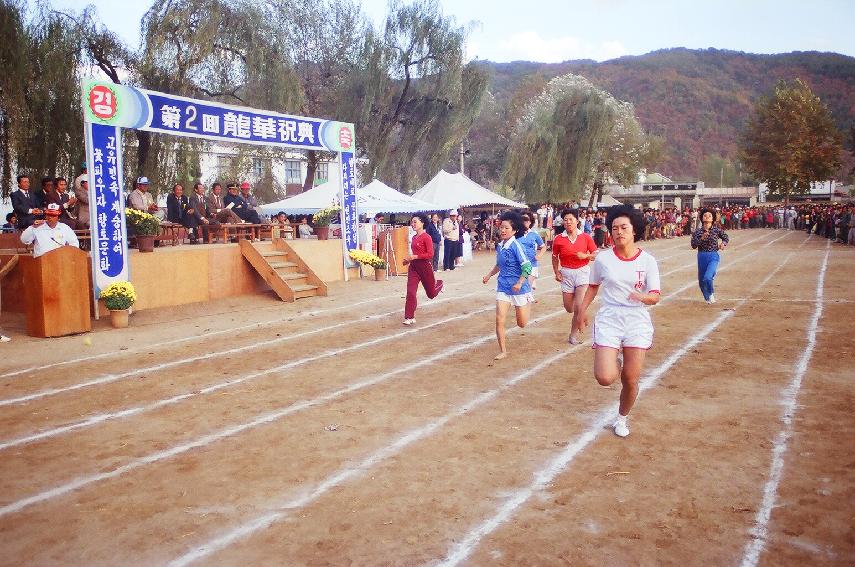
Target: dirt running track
(253,432)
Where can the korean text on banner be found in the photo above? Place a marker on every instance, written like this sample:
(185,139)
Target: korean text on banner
(107,209)
(349,213)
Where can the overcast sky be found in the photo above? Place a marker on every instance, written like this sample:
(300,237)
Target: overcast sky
(554,30)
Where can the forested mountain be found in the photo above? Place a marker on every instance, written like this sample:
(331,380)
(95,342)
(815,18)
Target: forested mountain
(697,100)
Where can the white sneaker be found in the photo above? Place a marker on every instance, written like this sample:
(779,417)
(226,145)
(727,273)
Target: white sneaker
(620,427)
(712,298)
(4,339)
(409,321)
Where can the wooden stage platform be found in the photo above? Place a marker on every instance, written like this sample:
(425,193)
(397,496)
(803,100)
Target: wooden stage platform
(181,275)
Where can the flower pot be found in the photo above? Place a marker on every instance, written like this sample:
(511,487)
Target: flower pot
(145,243)
(119,318)
(323,232)
(379,274)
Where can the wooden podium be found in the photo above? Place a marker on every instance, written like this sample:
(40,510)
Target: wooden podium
(57,292)
(398,242)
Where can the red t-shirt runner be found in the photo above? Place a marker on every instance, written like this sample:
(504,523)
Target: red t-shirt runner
(566,250)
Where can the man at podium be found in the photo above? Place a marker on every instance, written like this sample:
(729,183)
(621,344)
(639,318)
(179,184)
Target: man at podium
(49,234)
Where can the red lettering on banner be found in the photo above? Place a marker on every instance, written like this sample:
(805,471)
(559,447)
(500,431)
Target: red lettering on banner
(102,101)
(345,138)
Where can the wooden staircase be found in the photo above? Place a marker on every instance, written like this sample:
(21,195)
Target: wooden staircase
(283,270)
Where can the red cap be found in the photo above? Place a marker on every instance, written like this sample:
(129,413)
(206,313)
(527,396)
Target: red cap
(244,185)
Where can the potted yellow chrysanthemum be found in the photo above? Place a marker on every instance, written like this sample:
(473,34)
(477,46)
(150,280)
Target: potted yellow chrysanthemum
(369,259)
(119,297)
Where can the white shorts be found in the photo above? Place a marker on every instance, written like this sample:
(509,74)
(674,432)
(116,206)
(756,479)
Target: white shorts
(617,327)
(571,278)
(518,300)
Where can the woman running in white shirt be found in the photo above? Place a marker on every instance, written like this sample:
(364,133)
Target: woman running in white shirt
(628,278)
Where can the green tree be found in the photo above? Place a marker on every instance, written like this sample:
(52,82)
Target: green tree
(573,136)
(40,115)
(791,140)
(323,39)
(415,98)
(719,171)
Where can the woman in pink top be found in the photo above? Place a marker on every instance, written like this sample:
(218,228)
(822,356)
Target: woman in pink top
(421,269)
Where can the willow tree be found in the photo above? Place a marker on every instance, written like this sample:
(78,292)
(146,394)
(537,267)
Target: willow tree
(415,99)
(220,50)
(791,140)
(572,137)
(40,115)
(323,40)
(14,62)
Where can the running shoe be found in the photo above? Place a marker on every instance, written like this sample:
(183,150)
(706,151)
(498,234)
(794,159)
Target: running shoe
(4,339)
(409,321)
(620,428)
(712,298)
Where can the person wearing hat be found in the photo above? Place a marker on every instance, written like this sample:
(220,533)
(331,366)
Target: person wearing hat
(235,201)
(251,201)
(49,234)
(451,234)
(141,200)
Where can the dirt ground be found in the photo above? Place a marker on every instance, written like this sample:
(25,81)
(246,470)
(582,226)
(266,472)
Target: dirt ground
(253,432)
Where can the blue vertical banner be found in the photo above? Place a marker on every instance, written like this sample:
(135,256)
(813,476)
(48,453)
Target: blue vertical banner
(349,212)
(106,206)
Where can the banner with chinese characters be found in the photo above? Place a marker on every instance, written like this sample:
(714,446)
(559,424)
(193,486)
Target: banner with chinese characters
(349,212)
(129,107)
(106,206)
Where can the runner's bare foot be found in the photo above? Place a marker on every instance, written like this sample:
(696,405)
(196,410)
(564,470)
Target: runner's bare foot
(500,356)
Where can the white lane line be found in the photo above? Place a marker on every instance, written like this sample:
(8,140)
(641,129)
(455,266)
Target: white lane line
(789,397)
(207,335)
(260,420)
(103,417)
(109,378)
(172,342)
(558,464)
(267,418)
(282,510)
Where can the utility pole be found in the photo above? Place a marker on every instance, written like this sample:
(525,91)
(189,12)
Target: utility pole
(462,153)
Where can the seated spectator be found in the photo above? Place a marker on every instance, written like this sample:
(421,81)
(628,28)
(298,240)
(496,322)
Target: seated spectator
(178,210)
(49,234)
(239,206)
(11,223)
(305,231)
(217,210)
(141,200)
(57,194)
(251,201)
(24,203)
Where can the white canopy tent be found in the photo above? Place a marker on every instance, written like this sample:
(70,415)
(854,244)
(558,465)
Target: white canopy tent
(452,190)
(608,201)
(376,197)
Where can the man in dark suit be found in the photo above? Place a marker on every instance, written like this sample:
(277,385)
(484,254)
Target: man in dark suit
(178,210)
(24,203)
(217,208)
(199,205)
(239,206)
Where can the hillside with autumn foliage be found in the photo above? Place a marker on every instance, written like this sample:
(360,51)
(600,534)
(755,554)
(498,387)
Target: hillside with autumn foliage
(697,100)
